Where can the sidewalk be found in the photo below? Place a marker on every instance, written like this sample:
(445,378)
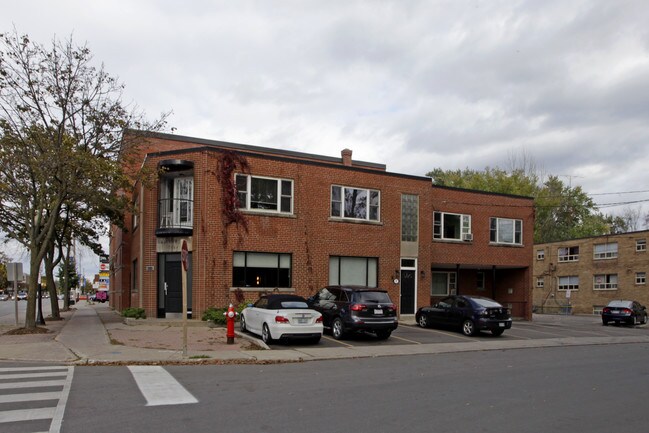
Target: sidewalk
(92,334)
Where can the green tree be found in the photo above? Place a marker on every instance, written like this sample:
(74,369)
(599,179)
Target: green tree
(62,146)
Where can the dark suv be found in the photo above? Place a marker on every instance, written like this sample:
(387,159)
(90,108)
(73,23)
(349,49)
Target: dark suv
(355,308)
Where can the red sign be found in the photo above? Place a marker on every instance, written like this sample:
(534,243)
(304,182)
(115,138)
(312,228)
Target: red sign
(104,267)
(184,253)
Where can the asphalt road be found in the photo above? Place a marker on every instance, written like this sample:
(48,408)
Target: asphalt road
(564,389)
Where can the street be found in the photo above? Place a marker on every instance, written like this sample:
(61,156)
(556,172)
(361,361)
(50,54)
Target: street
(533,390)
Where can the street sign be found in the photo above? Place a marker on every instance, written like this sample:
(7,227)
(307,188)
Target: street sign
(184,254)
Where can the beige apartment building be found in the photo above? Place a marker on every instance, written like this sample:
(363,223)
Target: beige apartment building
(582,275)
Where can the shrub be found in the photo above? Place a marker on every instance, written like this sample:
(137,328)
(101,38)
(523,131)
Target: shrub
(136,313)
(217,315)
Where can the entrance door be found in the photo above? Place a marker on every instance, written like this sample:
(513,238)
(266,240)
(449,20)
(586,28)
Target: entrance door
(173,286)
(407,291)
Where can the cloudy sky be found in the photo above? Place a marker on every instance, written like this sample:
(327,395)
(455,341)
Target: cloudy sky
(415,85)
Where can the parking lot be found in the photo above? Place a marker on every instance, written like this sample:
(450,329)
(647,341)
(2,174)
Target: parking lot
(541,327)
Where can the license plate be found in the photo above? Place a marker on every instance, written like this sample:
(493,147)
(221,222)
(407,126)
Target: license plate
(378,312)
(615,312)
(302,321)
(501,324)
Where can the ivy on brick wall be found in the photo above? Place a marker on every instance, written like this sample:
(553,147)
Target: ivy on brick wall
(228,163)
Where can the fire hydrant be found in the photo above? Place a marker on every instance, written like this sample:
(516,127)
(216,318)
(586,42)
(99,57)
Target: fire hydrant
(230,317)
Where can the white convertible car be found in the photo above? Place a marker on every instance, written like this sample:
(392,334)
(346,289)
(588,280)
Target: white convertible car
(277,317)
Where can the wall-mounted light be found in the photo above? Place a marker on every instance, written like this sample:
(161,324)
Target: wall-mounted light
(423,274)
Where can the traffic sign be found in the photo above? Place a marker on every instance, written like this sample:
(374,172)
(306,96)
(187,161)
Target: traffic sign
(184,254)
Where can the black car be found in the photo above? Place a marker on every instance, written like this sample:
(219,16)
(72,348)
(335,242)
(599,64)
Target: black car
(355,308)
(621,311)
(469,313)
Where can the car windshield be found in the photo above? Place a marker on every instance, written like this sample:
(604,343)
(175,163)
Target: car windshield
(293,304)
(377,297)
(486,303)
(620,304)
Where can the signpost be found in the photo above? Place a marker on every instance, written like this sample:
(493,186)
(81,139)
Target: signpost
(184,256)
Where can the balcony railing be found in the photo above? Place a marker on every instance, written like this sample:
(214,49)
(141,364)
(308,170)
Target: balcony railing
(175,216)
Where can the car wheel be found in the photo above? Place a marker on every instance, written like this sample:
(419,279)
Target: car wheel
(243,323)
(644,320)
(468,328)
(423,321)
(497,332)
(383,335)
(337,328)
(605,322)
(265,335)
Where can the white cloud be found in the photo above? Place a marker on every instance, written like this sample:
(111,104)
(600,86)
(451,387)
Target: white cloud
(414,84)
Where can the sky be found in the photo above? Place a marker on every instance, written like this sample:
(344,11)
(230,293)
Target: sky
(415,85)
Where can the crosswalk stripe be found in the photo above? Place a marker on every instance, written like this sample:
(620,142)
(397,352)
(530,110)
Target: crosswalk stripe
(39,384)
(159,387)
(31,396)
(26,414)
(32,375)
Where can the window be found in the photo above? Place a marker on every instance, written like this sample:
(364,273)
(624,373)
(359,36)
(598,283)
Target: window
(641,278)
(641,245)
(605,282)
(355,203)
(443,283)
(261,269)
(570,282)
(506,231)
(265,194)
(480,284)
(605,251)
(569,254)
(409,217)
(361,271)
(540,282)
(540,254)
(451,226)
(134,277)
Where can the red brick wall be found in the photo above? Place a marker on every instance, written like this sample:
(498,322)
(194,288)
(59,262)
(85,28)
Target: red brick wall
(311,236)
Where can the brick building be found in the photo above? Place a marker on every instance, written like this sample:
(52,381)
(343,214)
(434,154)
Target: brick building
(259,219)
(585,274)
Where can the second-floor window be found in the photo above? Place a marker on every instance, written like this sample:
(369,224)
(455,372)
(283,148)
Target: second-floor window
(265,194)
(540,254)
(570,282)
(569,254)
(540,282)
(409,217)
(641,245)
(506,231)
(605,282)
(451,226)
(605,251)
(640,277)
(355,203)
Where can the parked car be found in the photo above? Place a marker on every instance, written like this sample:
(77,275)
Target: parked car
(4,297)
(355,309)
(623,311)
(471,314)
(276,317)
(22,296)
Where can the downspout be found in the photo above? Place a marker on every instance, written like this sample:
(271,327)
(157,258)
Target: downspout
(140,275)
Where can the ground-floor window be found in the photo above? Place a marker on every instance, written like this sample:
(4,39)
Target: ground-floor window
(362,271)
(251,269)
(443,283)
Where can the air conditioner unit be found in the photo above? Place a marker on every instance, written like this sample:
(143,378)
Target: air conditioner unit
(467,237)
